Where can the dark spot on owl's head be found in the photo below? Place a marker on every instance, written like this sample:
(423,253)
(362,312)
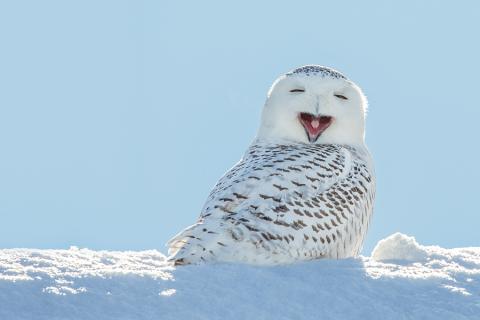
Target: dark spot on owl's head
(316,70)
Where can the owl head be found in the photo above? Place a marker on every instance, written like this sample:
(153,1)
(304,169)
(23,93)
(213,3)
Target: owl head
(314,104)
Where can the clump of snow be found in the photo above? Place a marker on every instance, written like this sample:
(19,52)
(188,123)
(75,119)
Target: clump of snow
(436,283)
(399,247)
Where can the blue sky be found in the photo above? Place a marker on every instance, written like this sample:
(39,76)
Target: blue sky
(117,117)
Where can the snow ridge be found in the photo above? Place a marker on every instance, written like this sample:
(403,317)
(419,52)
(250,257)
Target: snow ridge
(402,280)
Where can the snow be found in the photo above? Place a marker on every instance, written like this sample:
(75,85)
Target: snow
(399,247)
(401,280)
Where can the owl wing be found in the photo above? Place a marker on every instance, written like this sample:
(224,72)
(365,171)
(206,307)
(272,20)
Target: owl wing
(282,202)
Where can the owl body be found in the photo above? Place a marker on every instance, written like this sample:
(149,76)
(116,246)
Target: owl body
(283,203)
(303,190)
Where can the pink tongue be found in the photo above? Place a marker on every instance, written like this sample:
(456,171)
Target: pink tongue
(314,125)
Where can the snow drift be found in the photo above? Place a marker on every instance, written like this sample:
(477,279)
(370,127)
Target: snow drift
(401,280)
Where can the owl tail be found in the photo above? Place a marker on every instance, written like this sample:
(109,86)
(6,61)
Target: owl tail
(197,244)
(178,244)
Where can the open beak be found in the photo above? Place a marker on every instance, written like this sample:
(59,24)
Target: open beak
(314,125)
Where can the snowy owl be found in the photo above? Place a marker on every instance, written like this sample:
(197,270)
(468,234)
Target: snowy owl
(303,190)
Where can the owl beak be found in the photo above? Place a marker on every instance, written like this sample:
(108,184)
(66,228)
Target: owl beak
(314,125)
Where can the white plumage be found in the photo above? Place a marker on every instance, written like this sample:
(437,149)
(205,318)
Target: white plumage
(303,190)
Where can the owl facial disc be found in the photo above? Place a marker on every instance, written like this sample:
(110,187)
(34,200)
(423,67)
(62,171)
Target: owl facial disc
(314,124)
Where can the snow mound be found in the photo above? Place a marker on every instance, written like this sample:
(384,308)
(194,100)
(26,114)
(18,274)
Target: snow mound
(402,280)
(399,247)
